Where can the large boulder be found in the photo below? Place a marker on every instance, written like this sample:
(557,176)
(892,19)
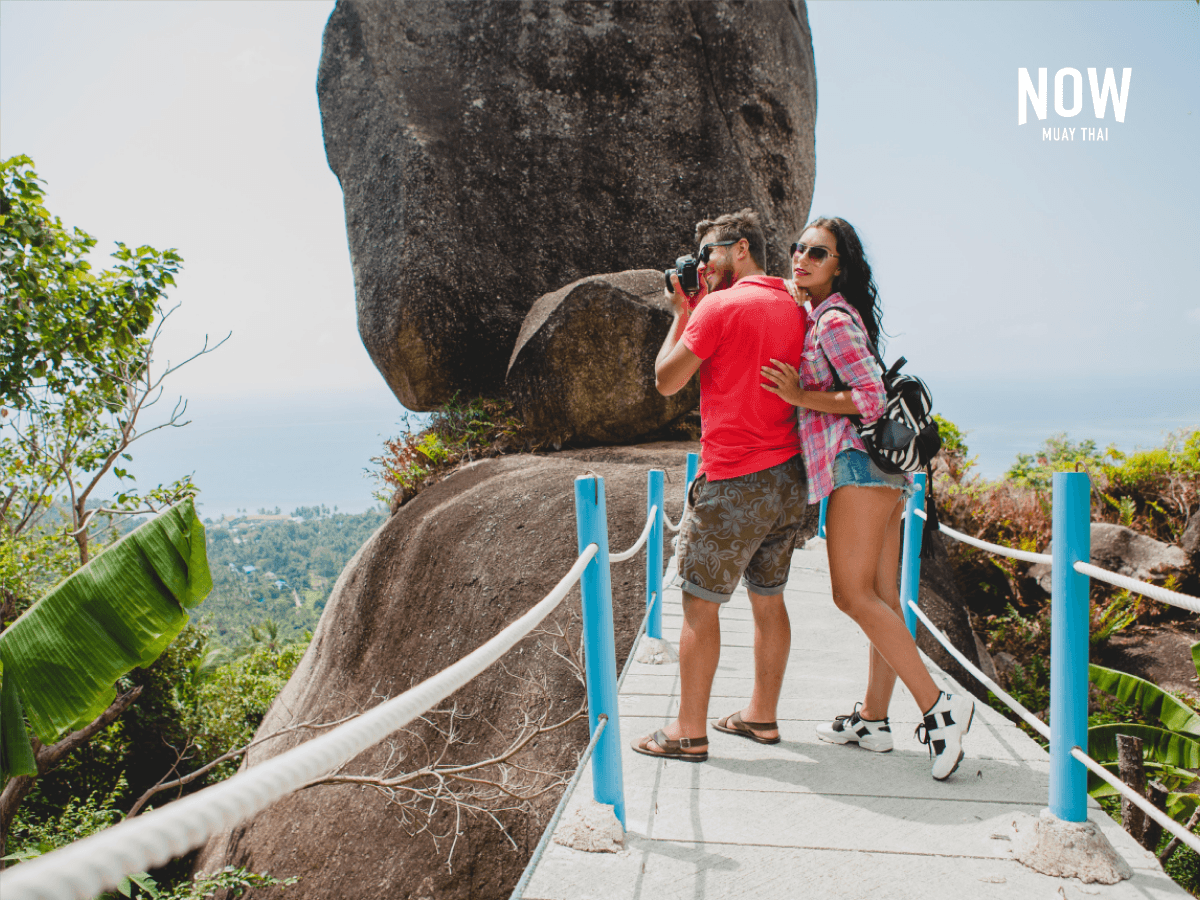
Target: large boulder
(583,366)
(1125,552)
(447,572)
(490,153)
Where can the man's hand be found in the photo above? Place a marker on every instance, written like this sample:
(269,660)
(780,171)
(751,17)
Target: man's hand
(683,303)
(676,364)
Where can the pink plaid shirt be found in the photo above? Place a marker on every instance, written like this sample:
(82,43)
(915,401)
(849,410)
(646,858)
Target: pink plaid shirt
(840,337)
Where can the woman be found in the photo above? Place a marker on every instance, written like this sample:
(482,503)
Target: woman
(862,520)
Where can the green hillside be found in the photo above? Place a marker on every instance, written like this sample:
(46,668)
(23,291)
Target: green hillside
(278,567)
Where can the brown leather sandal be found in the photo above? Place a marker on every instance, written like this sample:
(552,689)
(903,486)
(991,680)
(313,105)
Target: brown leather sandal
(735,724)
(671,749)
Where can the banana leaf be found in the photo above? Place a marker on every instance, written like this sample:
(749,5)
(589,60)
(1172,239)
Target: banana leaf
(61,659)
(1152,700)
(1181,806)
(1158,745)
(1196,657)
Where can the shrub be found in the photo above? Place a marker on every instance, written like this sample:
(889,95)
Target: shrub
(458,432)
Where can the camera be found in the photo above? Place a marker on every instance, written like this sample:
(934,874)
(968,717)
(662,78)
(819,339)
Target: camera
(689,278)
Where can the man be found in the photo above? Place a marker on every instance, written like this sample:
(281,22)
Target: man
(747,503)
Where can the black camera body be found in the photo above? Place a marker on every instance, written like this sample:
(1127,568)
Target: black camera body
(689,278)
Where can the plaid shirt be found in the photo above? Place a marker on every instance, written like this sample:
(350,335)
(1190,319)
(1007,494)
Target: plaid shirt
(841,338)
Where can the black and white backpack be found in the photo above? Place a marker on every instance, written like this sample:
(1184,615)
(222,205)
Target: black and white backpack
(905,438)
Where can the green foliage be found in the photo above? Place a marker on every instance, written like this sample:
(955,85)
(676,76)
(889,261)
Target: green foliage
(64,327)
(306,556)
(954,440)
(120,611)
(231,704)
(78,819)
(459,431)
(1171,752)
(1151,700)
(1158,489)
(234,881)
(1119,614)
(1057,454)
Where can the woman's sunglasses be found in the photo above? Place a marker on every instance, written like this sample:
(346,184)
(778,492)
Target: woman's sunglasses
(817,254)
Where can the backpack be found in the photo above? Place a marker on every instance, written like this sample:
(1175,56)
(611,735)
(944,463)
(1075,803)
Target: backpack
(905,438)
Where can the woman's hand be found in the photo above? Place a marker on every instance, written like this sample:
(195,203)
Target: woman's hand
(784,382)
(799,294)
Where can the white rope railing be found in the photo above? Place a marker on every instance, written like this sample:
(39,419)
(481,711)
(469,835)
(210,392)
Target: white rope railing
(1138,800)
(637,545)
(1044,730)
(1154,591)
(1024,555)
(86,868)
(1030,719)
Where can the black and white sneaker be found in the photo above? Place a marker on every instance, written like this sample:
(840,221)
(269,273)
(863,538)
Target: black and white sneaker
(853,729)
(944,726)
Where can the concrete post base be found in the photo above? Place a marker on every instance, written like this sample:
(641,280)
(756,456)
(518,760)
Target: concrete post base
(1067,849)
(592,827)
(656,652)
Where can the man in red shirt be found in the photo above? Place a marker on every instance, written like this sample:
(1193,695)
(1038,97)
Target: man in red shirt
(747,505)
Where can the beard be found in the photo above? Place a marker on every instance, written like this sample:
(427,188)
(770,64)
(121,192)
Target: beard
(719,279)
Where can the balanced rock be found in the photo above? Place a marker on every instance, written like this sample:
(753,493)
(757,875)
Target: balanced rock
(446,573)
(1125,552)
(583,366)
(490,153)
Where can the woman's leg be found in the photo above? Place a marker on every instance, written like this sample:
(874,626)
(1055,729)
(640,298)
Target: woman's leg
(856,525)
(881,678)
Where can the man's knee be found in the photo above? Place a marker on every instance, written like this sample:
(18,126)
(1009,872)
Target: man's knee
(699,611)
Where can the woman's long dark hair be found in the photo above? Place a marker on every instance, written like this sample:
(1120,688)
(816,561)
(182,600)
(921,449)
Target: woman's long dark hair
(854,283)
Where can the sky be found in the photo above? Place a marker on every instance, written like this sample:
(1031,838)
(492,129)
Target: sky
(1037,285)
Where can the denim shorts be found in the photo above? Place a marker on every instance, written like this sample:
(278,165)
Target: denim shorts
(854,467)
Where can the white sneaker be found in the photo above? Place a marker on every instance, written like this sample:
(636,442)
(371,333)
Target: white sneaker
(944,726)
(853,729)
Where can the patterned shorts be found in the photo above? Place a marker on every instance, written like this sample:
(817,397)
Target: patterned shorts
(745,528)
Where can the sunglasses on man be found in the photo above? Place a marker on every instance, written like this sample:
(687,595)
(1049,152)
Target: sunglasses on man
(817,254)
(706,251)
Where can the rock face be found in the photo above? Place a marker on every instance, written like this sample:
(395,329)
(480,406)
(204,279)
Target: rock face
(490,153)
(1124,551)
(447,572)
(583,366)
(1190,539)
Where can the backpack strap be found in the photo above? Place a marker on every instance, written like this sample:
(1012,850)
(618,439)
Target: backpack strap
(837,379)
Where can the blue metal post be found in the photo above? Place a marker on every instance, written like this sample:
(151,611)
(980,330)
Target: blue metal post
(693,464)
(821,524)
(1069,615)
(910,560)
(654,553)
(600,653)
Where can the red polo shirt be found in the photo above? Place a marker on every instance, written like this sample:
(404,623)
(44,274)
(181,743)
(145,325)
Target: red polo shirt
(745,428)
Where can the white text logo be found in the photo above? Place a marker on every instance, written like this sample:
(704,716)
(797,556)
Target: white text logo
(1068,88)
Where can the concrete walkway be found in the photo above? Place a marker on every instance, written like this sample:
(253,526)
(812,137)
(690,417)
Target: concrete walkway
(806,819)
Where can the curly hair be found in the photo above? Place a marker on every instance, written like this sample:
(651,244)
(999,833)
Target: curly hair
(854,282)
(744,223)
